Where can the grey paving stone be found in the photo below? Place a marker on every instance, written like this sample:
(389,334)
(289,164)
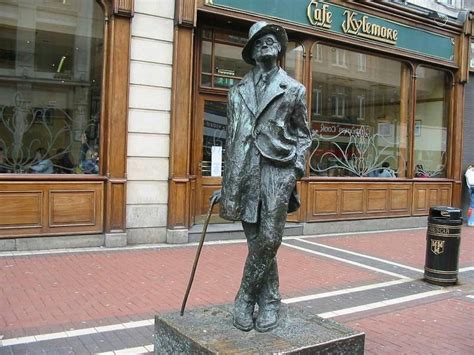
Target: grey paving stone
(359,259)
(6,350)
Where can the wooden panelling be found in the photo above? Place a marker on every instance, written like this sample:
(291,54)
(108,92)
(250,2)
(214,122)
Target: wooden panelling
(179,203)
(32,208)
(206,193)
(115,111)
(185,14)
(116,205)
(181,122)
(377,200)
(444,196)
(28,202)
(427,195)
(352,201)
(67,208)
(123,8)
(400,199)
(299,215)
(355,200)
(433,197)
(323,201)
(419,199)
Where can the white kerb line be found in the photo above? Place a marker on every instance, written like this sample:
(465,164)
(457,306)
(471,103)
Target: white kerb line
(400,276)
(361,255)
(76,332)
(380,304)
(345,291)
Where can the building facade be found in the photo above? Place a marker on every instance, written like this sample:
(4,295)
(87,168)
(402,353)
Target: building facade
(113,113)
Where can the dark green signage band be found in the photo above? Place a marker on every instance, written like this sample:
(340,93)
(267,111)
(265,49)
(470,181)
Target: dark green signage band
(325,16)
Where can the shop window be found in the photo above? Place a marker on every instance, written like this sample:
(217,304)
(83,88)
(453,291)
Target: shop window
(431,123)
(318,53)
(471,62)
(214,136)
(339,57)
(338,102)
(358,130)
(361,62)
(360,105)
(317,101)
(294,60)
(222,65)
(50,86)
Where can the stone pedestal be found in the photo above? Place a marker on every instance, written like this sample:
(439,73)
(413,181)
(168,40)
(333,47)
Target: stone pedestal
(210,331)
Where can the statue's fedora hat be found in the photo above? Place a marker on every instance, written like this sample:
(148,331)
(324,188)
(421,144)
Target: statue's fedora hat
(259,29)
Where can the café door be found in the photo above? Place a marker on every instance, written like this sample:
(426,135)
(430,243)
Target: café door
(209,136)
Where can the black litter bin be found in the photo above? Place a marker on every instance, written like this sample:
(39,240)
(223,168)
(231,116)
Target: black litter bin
(442,245)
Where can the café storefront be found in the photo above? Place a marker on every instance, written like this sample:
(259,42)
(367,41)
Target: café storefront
(385,90)
(64,69)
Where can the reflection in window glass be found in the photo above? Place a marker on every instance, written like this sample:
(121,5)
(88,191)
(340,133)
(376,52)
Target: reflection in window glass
(50,82)
(472,56)
(206,56)
(356,115)
(215,127)
(294,60)
(229,67)
(431,122)
(229,62)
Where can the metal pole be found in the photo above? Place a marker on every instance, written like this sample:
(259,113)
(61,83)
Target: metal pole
(198,254)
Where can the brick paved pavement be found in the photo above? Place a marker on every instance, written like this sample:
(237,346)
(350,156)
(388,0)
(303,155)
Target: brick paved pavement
(85,291)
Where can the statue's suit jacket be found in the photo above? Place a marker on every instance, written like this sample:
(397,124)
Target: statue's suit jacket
(274,131)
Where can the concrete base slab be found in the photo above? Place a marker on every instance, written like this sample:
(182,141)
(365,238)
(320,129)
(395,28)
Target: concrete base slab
(232,231)
(365,225)
(152,235)
(115,240)
(177,236)
(7,244)
(60,242)
(210,331)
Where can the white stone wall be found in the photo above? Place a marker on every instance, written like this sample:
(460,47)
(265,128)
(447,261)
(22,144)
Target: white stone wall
(149,121)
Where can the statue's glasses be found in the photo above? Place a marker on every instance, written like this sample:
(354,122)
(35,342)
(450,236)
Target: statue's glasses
(268,41)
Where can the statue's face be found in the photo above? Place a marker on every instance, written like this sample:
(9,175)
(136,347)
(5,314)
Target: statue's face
(266,48)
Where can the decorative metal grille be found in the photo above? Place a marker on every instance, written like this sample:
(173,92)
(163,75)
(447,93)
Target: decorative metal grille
(355,151)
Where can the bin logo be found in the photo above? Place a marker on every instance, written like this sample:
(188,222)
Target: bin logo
(437,246)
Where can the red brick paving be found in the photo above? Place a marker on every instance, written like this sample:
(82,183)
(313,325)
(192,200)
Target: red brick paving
(442,327)
(48,293)
(406,247)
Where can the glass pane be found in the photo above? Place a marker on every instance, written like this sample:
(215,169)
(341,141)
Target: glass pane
(294,60)
(358,118)
(237,38)
(206,57)
(207,34)
(7,46)
(472,56)
(224,82)
(50,86)
(229,62)
(214,132)
(431,122)
(206,80)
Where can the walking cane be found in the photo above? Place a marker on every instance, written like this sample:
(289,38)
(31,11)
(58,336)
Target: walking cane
(198,254)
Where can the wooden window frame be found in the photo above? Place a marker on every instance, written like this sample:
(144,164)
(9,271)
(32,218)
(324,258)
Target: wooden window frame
(110,185)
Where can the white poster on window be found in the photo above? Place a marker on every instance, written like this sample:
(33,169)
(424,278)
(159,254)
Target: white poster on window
(216,161)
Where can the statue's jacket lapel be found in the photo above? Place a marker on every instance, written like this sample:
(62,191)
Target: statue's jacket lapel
(273,125)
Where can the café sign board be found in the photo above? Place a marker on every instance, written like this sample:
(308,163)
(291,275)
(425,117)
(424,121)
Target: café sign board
(326,16)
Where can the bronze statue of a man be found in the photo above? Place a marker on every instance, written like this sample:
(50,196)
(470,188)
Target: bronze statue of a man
(265,153)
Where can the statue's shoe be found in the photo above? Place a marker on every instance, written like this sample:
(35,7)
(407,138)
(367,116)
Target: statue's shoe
(243,315)
(267,320)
